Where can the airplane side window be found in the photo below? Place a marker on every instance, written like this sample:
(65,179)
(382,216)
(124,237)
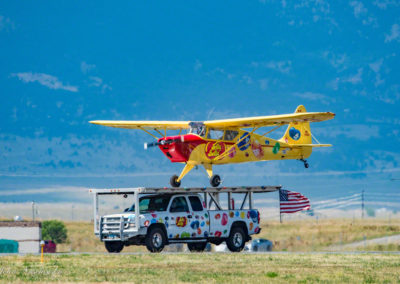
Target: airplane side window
(230,135)
(215,134)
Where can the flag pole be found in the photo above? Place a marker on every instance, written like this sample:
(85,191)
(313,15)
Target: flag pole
(280,214)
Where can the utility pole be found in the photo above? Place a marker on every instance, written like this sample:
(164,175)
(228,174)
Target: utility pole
(362,204)
(33,211)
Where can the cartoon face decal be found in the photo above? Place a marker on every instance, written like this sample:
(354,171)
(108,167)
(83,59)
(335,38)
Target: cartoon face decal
(214,149)
(195,225)
(294,133)
(146,223)
(254,216)
(276,148)
(181,221)
(245,143)
(257,149)
(217,216)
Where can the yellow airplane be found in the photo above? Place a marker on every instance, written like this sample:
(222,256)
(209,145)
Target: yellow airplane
(226,141)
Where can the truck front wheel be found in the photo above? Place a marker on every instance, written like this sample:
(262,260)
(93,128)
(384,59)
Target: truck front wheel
(197,247)
(155,240)
(114,246)
(236,239)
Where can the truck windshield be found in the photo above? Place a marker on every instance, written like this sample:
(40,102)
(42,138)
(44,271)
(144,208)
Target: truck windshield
(151,203)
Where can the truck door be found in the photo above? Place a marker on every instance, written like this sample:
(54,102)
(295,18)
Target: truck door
(198,224)
(180,216)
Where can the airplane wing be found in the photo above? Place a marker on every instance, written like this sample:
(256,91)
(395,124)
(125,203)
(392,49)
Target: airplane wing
(272,120)
(148,125)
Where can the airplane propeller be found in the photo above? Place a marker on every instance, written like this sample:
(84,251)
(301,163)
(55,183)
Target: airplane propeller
(162,142)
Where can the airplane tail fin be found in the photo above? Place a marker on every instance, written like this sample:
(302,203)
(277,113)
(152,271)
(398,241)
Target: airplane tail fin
(298,132)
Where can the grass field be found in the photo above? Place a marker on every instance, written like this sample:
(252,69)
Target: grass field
(305,235)
(205,268)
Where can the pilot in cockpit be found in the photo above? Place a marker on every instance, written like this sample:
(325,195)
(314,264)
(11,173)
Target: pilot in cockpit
(201,131)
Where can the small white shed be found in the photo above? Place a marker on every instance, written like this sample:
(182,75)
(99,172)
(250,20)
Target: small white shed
(27,234)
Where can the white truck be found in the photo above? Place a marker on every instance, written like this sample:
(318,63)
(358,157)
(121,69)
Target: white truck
(179,215)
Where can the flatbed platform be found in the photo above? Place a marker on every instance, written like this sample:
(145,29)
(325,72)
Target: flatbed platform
(143,190)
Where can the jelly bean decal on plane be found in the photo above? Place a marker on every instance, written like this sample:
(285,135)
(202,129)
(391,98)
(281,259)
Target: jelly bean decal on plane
(294,133)
(245,143)
(257,149)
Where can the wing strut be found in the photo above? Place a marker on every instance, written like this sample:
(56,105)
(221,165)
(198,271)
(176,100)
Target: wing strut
(149,133)
(273,129)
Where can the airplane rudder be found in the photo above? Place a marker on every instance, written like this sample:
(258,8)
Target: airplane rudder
(300,108)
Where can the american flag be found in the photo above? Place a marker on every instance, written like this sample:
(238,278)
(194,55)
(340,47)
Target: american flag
(291,201)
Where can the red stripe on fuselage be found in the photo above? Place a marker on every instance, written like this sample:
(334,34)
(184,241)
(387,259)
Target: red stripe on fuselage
(180,150)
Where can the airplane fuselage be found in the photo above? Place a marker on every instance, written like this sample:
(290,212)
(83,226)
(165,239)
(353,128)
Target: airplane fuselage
(194,149)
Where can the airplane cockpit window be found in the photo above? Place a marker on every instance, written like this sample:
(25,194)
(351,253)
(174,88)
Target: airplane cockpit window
(200,130)
(215,134)
(230,135)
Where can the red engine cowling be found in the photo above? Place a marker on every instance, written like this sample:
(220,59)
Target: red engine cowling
(178,148)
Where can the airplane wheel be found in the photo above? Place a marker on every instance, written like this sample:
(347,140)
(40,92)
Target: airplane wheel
(306,165)
(215,180)
(174,181)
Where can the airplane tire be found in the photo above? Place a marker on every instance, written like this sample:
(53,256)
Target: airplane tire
(215,180)
(306,165)
(174,181)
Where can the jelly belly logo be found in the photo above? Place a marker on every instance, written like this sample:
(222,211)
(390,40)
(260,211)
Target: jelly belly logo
(214,149)
(181,221)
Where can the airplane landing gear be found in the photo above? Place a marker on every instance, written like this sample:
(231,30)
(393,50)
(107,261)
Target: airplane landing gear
(174,181)
(306,165)
(215,180)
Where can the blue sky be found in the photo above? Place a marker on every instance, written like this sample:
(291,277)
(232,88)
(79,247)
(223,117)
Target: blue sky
(65,63)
